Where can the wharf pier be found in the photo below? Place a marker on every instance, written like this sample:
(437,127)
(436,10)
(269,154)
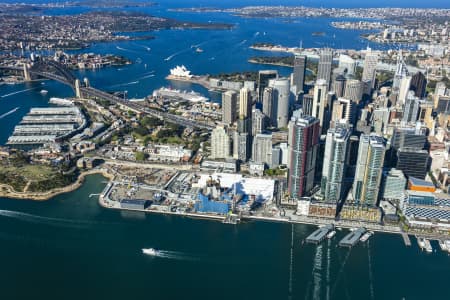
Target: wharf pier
(406,239)
(202,80)
(352,238)
(319,235)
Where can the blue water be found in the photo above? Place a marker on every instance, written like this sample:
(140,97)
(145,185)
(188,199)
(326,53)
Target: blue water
(224,51)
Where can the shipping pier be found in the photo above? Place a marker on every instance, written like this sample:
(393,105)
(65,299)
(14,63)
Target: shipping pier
(320,234)
(352,238)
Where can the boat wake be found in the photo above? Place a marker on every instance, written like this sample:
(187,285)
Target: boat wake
(9,113)
(49,221)
(127,50)
(124,84)
(18,92)
(242,42)
(147,76)
(175,255)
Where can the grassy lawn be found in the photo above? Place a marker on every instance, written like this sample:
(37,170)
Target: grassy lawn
(42,177)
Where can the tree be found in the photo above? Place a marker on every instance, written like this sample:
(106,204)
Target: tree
(140,156)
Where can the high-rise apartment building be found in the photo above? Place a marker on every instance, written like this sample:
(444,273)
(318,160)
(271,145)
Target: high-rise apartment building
(369,169)
(304,135)
(320,101)
(229,107)
(258,122)
(333,170)
(262,149)
(220,143)
(245,103)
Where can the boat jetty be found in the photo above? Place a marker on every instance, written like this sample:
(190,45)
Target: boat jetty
(352,238)
(320,234)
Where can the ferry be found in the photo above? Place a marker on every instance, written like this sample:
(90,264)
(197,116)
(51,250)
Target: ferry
(150,251)
(366,236)
(43,92)
(331,234)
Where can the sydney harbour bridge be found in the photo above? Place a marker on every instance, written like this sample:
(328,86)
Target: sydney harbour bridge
(50,69)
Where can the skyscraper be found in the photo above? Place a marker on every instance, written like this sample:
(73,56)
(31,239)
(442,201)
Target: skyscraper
(241,146)
(263,81)
(411,108)
(401,71)
(413,162)
(268,105)
(325,62)
(281,101)
(338,85)
(370,65)
(403,90)
(347,63)
(245,103)
(369,169)
(262,149)
(320,101)
(354,90)
(258,122)
(298,76)
(333,170)
(304,135)
(229,107)
(418,84)
(220,143)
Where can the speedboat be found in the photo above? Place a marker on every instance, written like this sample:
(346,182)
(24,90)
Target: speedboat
(366,236)
(331,234)
(421,242)
(44,92)
(150,251)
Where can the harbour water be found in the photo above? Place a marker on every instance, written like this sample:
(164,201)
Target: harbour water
(71,248)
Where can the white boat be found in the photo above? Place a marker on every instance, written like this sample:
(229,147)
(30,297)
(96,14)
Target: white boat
(366,236)
(150,251)
(44,92)
(443,245)
(421,242)
(428,247)
(331,234)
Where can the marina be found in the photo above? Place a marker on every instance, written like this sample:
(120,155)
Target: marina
(352,238)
